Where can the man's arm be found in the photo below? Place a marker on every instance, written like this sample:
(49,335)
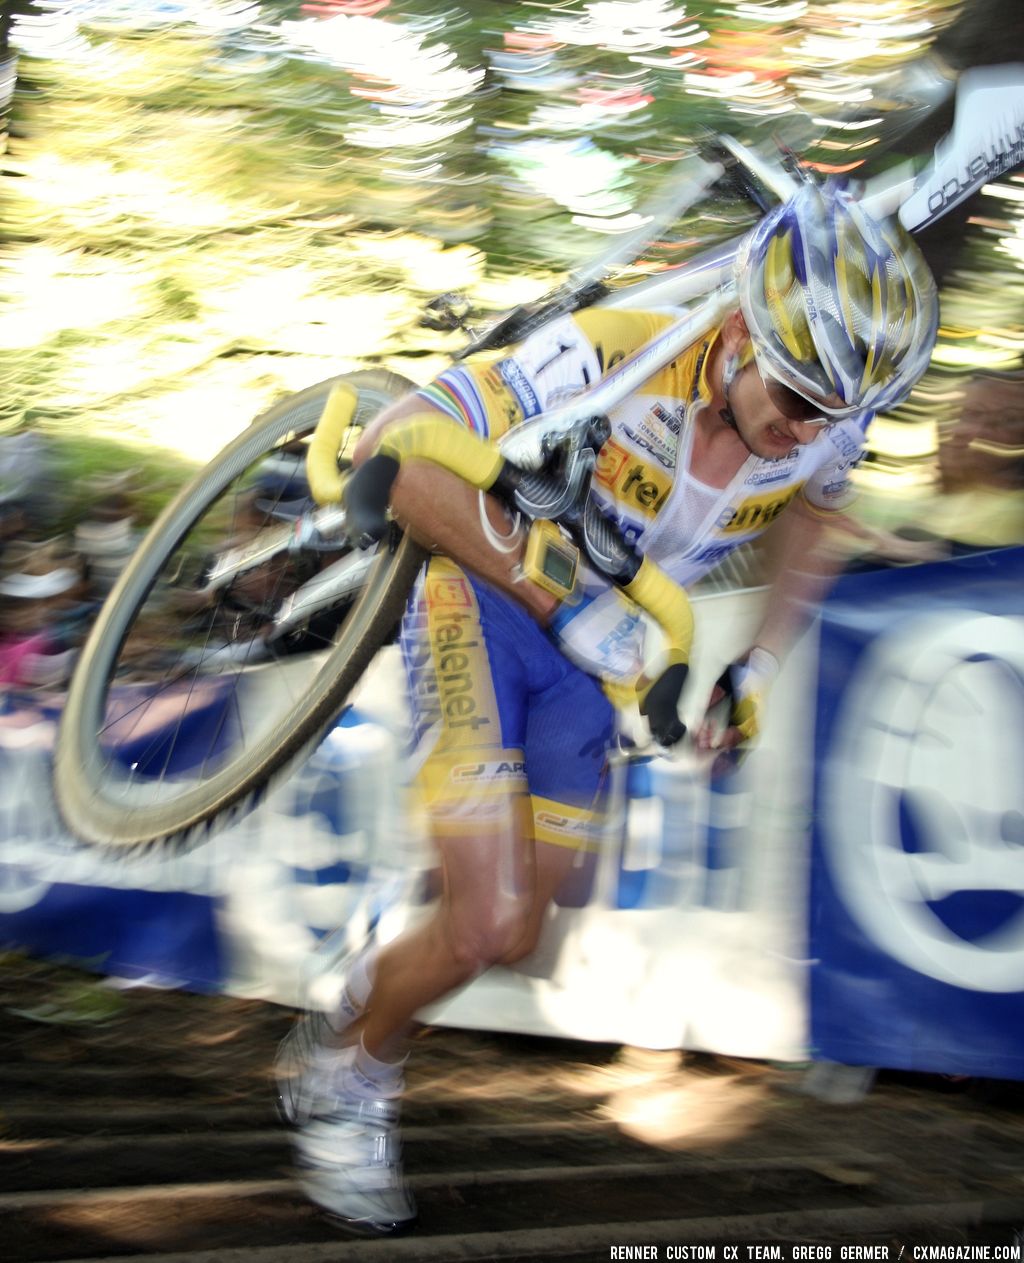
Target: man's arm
(801,569)
(442,511)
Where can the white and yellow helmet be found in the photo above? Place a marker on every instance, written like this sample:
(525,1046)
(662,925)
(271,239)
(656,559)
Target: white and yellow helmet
(841,307)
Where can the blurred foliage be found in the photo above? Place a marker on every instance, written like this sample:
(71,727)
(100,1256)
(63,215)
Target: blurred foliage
(85,460)
(207,203)
(65,994)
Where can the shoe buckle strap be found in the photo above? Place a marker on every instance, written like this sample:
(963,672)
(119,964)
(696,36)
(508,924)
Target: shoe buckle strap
(380,1110)
(383,1150)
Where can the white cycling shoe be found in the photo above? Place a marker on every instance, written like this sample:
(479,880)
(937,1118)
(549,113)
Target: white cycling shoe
(307,1057)
(305,1069)
(348,1157)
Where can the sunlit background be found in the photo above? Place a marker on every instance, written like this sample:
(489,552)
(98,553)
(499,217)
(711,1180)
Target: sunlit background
(207,204)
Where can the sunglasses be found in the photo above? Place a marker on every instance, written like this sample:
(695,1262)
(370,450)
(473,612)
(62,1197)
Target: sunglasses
(791,404)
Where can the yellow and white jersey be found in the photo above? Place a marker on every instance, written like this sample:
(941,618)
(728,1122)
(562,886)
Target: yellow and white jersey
(643,477)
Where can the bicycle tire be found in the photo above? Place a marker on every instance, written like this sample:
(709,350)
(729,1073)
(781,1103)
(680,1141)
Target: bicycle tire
(97,801)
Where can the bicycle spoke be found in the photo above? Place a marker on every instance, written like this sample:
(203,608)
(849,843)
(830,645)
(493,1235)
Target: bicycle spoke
(192,689)
(220,643)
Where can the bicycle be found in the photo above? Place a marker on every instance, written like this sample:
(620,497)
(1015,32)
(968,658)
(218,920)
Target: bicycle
(163,738)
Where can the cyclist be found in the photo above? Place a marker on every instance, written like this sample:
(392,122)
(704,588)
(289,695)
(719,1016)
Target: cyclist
(836,318)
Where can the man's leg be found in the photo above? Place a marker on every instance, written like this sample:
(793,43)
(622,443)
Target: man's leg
(488,900)
(349,1149)
(474,783)
(491,696)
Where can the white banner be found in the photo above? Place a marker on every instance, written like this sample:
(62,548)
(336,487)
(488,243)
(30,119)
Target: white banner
(692,934)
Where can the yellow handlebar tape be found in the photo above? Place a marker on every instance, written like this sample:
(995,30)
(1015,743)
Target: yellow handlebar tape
(668,603)
(433,438)
(445,443)
(322,453)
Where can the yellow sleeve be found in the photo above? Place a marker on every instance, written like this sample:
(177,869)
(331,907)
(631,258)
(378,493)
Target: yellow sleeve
(615,334)
(486,393)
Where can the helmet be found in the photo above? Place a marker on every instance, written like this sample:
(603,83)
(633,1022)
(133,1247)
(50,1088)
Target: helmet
(840,306)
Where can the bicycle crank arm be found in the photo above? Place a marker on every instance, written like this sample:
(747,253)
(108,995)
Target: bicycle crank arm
(311,528)
(334,584)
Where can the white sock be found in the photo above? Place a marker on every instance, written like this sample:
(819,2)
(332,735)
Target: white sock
(356,991)
(368,1077)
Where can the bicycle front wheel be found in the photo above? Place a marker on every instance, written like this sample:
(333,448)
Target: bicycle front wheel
(188,701)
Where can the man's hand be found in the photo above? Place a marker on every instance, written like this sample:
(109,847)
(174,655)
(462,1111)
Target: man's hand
(660,706)
(740,693)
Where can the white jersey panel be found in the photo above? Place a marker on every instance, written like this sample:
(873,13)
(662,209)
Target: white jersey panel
(685,525)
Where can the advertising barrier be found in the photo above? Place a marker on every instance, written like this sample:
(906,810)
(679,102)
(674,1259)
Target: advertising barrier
(917,894)
(678,932)
(239,913)
(855,891)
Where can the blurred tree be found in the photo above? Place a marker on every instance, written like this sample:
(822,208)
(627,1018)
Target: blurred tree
(206,202)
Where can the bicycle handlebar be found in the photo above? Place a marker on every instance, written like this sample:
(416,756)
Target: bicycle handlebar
(322,471)
(445,443)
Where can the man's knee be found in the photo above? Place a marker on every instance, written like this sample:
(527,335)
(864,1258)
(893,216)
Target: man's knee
(523,946)
(484,941)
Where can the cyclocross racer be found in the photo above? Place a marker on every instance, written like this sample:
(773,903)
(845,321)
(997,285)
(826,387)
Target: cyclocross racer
(511,664)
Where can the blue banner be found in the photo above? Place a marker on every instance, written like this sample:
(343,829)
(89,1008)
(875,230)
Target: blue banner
(208,919)
(917,877)
(54,899)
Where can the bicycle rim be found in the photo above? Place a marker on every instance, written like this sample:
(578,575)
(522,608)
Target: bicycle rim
(182,711)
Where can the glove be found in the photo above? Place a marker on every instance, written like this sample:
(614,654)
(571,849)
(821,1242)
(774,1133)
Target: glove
(659,705)
(744,687)
(365,497)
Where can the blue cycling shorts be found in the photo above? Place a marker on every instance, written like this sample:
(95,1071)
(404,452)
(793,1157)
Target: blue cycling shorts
(499,711)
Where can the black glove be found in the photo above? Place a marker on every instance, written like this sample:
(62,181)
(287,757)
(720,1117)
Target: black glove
(660,705)
(366,497)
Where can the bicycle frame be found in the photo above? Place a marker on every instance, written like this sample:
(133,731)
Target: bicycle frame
(987,139)
(524,445)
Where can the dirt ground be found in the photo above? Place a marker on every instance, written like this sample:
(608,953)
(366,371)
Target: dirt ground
(138,1124)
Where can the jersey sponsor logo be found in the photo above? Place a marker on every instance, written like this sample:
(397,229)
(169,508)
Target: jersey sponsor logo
(773,471)
(464,697)
(671,422)
(611,460)
(844,443)
(631,480)
(518,383)
(498,399)
(657,450)
(716,553)
(495,770)
(622,636)
(455,662)
(442,590)
(573,827)
(756,512)
(835,490)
